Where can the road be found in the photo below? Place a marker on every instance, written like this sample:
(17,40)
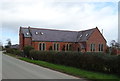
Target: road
(16,69)
(0,65)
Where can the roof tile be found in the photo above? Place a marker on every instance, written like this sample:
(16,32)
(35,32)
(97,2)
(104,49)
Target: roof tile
(56,35)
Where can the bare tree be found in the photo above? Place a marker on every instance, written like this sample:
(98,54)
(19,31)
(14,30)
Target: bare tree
(113,43)
(8,43)
(117,45)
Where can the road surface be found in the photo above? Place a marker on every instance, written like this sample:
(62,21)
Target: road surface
(0,65)
(16,69)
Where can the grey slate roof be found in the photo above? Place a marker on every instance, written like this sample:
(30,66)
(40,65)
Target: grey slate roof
(24,31)
(56,35)
(84,35)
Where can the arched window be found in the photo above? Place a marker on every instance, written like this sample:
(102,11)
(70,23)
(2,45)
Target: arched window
(92,47)
(78,49)
(42,46)
(100,47)
(56,46)
(68,47)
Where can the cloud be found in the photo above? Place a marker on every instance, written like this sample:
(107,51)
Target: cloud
(59,15)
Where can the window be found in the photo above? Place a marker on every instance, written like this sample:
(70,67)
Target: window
(100,47)
(41,33)
(27,33)
(86,35)
(78,49)
(68,47)
(92,47)
(80,35)
(36,33)
(56,46)
(42,46)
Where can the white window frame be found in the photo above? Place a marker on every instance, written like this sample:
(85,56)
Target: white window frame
(92,47)
(67,47)
(57,45)
(101,47)
(42,46)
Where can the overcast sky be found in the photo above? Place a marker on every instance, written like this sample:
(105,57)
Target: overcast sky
(57,14)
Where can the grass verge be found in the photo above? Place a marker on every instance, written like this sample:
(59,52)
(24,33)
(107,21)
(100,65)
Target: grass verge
(96,76)
(13,55)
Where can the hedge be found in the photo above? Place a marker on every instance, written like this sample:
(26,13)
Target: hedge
(90,61)
(13,51)
(26,50)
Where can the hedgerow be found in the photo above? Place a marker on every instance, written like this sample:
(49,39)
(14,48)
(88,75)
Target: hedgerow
(13,51)
(90,61)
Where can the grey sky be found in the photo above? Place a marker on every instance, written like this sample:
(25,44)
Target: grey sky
(119,22)
(72,15)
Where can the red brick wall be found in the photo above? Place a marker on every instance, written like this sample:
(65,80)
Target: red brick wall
(48,44)
(118,52)
(24,41)
(21,41)
(96,38)
(27,41)
(75,46)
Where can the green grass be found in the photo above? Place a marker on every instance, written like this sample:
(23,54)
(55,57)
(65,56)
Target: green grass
(13,55)
(96,76)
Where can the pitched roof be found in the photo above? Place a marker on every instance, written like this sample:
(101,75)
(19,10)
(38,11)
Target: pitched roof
(39,34)
(25,32)
(84,35)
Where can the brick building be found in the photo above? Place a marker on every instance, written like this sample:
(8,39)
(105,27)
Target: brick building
(90,40)
(118,51)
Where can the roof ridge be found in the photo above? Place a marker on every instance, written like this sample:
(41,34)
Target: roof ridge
(53,29)
(87,30)
(58,29)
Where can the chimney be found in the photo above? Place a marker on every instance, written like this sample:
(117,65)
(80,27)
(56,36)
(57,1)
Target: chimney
(28,26)
(29,30)
(102,31)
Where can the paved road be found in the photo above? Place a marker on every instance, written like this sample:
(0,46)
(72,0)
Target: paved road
(0,65)
(16,69)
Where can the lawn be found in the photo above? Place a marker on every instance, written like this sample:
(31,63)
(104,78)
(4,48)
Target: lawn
(94,76)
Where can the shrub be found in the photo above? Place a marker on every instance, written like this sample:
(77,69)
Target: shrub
(13,51)
(17,52)
(90,61)
(27,50)
(113,51)
(34,54)
(10,50)
(50,48)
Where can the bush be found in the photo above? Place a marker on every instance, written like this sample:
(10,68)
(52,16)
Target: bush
(10,50)
(13,51)
(17,52)
(90,61)
(27,50)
